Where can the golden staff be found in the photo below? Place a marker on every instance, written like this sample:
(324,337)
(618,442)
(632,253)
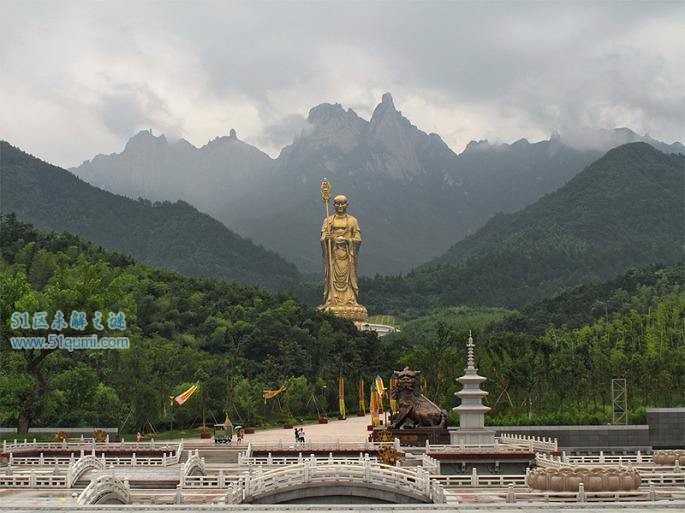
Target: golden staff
(325,197)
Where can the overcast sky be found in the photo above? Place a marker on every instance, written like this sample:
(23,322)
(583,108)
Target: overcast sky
(79,78)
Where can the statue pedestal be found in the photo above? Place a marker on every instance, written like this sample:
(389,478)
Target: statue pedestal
(472,436)
(416,437)
(356,313)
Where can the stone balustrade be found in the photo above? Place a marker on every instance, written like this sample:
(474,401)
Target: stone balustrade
(270,460)
(532,443)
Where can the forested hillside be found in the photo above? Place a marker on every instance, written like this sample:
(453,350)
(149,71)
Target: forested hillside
(239,341)
(235,341)
(624,210)
(552,363)
(171,235)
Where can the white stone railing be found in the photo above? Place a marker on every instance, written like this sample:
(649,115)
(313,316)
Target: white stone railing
(415,481)
(475,480)
(336,445)
(132,461)
(270,460)
(601,458)
(33,479)
(524,496)
(219,480)
(431,465)
(548,460)
(467,448)
(532,443)
(18,446)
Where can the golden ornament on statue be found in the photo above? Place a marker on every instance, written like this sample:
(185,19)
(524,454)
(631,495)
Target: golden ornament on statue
(340,242)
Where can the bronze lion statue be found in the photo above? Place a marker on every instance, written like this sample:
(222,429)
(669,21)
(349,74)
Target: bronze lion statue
(414,406)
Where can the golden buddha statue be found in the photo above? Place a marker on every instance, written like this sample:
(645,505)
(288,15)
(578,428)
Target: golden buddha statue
(340,242)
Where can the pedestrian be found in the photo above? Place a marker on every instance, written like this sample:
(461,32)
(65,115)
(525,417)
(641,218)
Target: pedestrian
(297,435)
(301,435)
(139,437)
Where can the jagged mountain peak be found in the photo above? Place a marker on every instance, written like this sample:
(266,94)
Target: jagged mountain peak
(326,112)
(145,139)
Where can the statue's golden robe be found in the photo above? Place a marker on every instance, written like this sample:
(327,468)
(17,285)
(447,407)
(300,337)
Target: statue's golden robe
(340,242)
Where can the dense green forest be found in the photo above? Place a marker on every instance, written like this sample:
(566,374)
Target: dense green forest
(552,363)
(625,210)
(549,363)
(236,341)
(174,236)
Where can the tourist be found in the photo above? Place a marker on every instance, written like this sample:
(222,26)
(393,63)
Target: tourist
(139,437)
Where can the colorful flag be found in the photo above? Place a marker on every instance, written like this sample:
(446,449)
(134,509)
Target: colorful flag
(379,386)
(393,402)
(182,398)
(341,397)
(373,406)
(270,394)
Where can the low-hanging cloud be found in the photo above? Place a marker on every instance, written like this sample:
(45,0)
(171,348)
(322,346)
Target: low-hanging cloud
(466,70)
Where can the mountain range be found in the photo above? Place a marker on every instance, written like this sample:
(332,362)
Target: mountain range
(175,235)
(414,196)
(624,210)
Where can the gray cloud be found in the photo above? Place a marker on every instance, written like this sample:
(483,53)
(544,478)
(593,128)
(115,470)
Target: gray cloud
(283,132)
(466,70)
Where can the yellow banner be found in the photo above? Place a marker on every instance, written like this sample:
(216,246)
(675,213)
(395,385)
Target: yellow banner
(182,398)
(270,394)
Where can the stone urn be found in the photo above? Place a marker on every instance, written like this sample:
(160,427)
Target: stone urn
(594,479)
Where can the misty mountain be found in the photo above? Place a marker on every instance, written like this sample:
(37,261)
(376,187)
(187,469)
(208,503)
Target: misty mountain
(171,235)
(624,210)
(412,194)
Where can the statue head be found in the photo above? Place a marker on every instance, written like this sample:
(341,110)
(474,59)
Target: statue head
(406,379)
(340,204)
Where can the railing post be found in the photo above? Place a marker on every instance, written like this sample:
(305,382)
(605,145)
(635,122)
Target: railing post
(41,459)
(32,479)
(164,459)
(133,459)
(601,456)
(474,477)
(511,496)
(222,479)
(652,492)
(367,470)
(676,465)
(581,493)
(638,457)
(179,495)
(269,459)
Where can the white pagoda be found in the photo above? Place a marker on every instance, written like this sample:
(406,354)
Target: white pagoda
(471,410)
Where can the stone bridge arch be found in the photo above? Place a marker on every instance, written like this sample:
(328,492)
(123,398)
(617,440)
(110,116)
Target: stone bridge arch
(105,490)
(361,481)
